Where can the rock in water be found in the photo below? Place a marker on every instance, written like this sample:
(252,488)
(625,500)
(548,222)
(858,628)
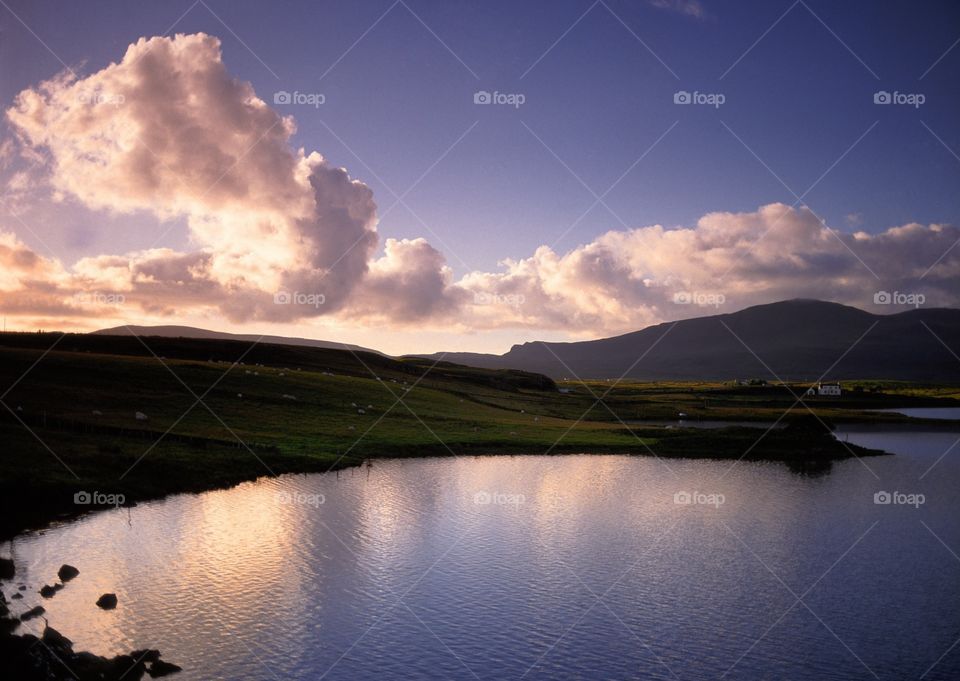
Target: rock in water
(161,668)
(67,572)
(47,591)
(7,569)
(107,601)
(31,613)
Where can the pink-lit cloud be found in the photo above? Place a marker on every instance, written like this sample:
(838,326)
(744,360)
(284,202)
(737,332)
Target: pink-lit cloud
(278,234)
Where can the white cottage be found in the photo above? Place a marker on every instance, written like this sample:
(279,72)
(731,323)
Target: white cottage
(825,390)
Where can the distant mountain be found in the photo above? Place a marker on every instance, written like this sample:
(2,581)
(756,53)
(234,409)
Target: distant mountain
(794,340)
(193,332)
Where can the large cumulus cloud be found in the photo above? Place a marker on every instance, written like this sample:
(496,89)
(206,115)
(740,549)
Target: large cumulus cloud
(169,132)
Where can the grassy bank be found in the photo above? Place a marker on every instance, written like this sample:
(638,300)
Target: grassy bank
(70,425)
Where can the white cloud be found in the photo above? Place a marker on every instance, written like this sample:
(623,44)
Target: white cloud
(167,131)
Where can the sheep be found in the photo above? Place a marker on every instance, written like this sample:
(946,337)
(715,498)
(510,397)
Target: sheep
(140,416)
(361,411)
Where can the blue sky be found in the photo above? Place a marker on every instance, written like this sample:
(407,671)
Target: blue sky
(598,81)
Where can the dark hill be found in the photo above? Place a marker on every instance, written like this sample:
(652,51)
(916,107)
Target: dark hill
(193,332)
(795,340)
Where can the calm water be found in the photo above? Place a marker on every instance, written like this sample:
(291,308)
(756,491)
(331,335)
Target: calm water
(949,413)
(567,567)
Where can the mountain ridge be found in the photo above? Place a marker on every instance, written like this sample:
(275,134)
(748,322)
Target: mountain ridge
(799,339)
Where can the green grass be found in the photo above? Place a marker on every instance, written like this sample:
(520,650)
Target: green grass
(78,402)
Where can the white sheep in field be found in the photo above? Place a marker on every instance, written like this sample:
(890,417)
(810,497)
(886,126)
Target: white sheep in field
(361,411)
(140,416)
(289,397)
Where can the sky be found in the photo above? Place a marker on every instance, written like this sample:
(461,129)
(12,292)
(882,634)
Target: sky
(419,176)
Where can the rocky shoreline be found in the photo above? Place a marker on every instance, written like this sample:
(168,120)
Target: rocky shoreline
(51,657)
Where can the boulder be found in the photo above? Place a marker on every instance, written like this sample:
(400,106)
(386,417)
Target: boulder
(67,572)
(107,601)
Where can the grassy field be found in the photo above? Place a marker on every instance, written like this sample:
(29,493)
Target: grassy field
(219,412)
